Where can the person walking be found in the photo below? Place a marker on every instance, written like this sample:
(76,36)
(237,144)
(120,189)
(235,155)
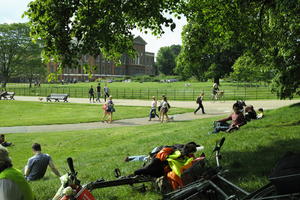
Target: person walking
(106,92)
(37,165)
(164,108)
(153,113)
(199,102)
(98,92)
(13,185)
(109,109)
(91,93)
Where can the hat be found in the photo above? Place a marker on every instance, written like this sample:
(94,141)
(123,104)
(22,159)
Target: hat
(4,158)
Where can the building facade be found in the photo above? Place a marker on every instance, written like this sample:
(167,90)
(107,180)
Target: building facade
(142,64)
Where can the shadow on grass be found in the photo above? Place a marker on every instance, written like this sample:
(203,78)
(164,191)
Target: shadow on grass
(259,163)
(295,105)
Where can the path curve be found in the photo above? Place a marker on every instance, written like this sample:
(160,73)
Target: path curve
(211,108)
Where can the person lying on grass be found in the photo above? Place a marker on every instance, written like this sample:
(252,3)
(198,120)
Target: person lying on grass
(237,120)
(169,162)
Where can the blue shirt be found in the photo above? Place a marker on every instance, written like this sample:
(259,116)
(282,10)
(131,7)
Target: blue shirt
(37,166)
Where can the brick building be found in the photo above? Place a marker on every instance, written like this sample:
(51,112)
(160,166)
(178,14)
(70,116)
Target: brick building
(142,64)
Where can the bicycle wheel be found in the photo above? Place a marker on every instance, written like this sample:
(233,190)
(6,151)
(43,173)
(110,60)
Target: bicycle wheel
(263,193)
(198,190)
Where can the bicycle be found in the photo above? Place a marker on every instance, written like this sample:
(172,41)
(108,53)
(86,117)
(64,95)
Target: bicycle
(214,186)
(218,96)
(71,189)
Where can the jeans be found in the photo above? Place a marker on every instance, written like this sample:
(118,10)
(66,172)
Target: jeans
(153,111)
(98,96)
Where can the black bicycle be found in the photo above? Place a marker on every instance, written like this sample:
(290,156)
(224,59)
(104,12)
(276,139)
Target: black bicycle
(71,188)
(213,186)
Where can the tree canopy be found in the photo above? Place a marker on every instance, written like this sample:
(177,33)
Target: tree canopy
(217,34)
(269,29)
(14,38)
(166,59)
(73,28)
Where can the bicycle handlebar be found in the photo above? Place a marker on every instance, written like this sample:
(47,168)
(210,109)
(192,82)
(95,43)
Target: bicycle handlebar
(70,164)
(219,144)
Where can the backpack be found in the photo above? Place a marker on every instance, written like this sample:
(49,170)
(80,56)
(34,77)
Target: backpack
(198,100)
(286,174)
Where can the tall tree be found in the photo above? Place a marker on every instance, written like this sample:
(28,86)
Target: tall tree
(166,59)
(72,28)
(30,66)
(14,38)
(269,29)
(202,56)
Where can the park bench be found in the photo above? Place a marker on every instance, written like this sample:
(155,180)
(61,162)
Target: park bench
(7,95)
(58,97)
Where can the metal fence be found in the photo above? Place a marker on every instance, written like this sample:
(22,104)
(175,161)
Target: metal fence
(188,94)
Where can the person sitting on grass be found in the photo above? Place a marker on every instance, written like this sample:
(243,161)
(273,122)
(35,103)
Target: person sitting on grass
(3,142)
(260,113)
(37,165)
(237,120)
(250,113)
(13,185)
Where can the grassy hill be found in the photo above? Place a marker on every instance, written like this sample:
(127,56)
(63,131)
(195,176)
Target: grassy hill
(249,153)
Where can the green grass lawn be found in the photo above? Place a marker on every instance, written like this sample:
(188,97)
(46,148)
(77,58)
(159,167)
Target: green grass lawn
(249,153)
(21,113)
(136,90)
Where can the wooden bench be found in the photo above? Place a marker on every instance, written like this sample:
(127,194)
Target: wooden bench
(7,95)
(58,97)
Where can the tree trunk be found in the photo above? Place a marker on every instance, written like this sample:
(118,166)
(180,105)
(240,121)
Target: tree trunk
(5,80)
(217,80)
(30,80)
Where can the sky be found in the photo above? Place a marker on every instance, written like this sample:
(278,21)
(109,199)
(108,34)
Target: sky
(12,10)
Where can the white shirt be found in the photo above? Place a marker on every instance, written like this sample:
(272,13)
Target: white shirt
(153,104)
(164,104)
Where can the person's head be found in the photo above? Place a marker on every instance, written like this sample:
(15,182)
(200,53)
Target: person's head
(236,108)
(5,161)
(165,98)
(202,94)
(110,97)
(2,138)
(189,148)
(249,108)
(261,110)
(36,147)
(91,86)
(98,83)
(153,98)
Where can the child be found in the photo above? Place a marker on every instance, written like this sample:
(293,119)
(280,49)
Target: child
(260,113)
(3,142)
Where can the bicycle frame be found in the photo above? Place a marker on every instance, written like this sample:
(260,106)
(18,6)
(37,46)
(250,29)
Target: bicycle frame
(71,189)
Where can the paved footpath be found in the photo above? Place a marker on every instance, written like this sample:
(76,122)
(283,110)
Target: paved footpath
(211,108)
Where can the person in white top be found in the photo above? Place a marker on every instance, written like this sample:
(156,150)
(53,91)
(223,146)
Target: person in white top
(153,109)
